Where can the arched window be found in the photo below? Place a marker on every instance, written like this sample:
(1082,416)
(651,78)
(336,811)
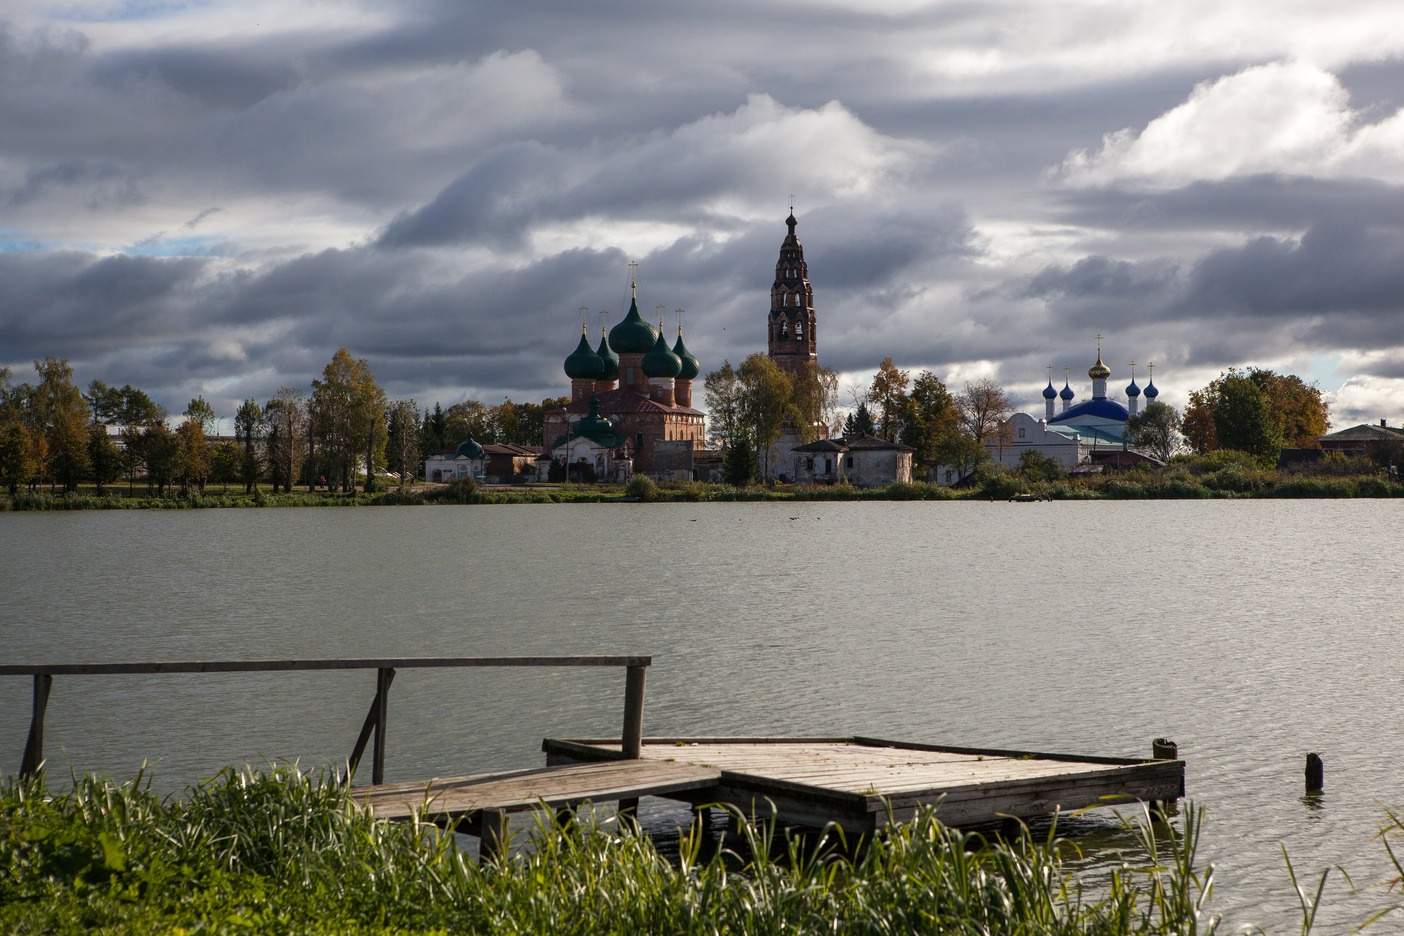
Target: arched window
(784,329)
(799,329)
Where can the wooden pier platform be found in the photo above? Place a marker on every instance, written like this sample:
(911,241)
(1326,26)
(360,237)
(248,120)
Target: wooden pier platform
(861,784)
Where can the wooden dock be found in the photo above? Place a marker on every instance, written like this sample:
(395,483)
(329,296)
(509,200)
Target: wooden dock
(860,784)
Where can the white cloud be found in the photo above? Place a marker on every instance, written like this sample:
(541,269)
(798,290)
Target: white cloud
(1287,118)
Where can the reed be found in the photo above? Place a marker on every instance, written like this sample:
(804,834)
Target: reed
(282,850)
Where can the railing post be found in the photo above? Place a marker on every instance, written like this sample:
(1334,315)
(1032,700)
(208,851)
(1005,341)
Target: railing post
(632,739)
(34,745)
(383,678)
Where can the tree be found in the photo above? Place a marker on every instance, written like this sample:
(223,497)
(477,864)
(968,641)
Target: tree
(192,455)
(434,435)
(722,391)
(1300,413)
(888,397)
(1234,412)
(287,421)
(202,412)
(739,464)
(226,463)
(1155,429)
(403,446)
(767,403)
(984,410)
(930,423)
(859,422)
(103,456)
(1036,466)
(20,446)
(160,450)
(467,418)
(348,417)
(60,413)
(249,426)
(137,408)
(814,391)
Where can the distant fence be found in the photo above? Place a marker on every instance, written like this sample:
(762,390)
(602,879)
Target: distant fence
(631,738)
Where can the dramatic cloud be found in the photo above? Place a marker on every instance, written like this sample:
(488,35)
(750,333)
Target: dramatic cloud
(211,198)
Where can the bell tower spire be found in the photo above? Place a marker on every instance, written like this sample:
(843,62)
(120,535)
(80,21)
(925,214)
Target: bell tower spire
(792,341)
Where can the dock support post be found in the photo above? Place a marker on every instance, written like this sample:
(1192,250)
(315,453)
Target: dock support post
(492,842)
(1315,774)
(631,741)
(34,744)
(1164,749)
(375,722)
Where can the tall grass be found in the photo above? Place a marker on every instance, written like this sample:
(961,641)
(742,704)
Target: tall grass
(285,851)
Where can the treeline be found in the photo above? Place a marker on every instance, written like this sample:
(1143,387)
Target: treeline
(750,405)
(341,430)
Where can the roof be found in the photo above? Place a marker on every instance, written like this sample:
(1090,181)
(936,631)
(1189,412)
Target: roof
(874,444)
(821,446)
(1099,435)
(1365,432)
(628,400)
(1103,408)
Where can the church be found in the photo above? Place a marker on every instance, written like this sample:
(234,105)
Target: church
(1078,432)
(630,405)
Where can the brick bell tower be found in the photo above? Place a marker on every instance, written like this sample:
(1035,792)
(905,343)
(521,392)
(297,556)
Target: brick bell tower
(793,342)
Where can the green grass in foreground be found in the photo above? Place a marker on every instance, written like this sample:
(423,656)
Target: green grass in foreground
(280,851)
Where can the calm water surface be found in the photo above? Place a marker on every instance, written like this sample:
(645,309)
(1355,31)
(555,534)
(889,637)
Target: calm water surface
(1249,632)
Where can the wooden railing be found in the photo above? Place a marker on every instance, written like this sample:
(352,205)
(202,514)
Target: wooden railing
(631,737)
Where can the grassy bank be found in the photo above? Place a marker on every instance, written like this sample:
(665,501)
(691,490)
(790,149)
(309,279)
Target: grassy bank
(1222,475)
(284,852)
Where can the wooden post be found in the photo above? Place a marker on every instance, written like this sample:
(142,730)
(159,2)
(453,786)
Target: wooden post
(1164,749)
(632,739)
(1315,774)
(383,677)
(375,718)
(492,842)
(34,744)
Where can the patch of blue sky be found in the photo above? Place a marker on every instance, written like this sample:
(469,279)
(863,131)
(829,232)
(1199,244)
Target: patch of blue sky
(130,10)
(10,244)
(174,247)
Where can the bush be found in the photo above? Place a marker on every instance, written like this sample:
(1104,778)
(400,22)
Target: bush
(641,487)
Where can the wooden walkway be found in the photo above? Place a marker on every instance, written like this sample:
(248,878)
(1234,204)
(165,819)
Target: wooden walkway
(861,784)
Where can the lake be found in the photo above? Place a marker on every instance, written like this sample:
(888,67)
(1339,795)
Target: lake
(1250,632)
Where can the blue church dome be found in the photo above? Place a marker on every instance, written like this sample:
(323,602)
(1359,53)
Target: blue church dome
(1048,392)
(1152,391)
(1132,390)
(1067,392)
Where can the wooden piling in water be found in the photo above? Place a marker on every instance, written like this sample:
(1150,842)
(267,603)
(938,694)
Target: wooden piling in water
(1315,774)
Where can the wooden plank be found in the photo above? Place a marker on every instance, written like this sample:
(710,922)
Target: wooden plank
(531,789)
(260,666)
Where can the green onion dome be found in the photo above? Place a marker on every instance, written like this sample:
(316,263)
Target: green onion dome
(661,361)
(691,367)
(583,363)
(1099,371)
(594,426)
(633,335)
(609,358)
(468,449)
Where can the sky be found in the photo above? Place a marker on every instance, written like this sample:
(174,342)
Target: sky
(210,198)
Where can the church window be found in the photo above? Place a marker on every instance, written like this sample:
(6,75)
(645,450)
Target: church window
(848,462)
(638,441)
(1021,433)
(784,329)
(809,464)
(799,330)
